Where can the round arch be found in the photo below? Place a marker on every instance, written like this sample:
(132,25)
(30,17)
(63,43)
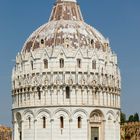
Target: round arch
(28,112)
(18,116)
(96,124)
(61,109)
(43,111)
(80,110)
(97,111)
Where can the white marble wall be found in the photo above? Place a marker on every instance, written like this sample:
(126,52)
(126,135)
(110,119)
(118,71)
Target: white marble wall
(91,90)
(109,121)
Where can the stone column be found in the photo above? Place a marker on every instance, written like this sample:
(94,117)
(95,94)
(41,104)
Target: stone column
(45,92)
(88,129)
(33,98)
(118,100)
(52,120)
(22,129)
(82,91)
(110,100)
(18,99)
(15,128)
(98,97)
(70,95)
(93,96)
(102,98)
(70,121)
(63,94)
(106,98)
(51,92)
(103,129)
(76,91)
(58,95)
(115,100)
(46,95)
(88,94)
(35,129)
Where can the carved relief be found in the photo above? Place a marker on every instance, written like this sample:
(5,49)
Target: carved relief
(83,80)
(46,81)
(95,117)
(58,80)
(70,80)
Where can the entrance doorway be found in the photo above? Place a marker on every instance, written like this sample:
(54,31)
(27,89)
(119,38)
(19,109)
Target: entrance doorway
(96,125)
(94,133)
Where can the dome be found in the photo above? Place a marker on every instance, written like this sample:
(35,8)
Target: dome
(65,28)
(66,81)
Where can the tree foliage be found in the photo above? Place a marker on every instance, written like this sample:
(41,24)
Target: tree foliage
(131,118)
(136,117)
(123,117)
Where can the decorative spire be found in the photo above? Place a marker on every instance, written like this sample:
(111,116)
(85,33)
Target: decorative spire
(66,10)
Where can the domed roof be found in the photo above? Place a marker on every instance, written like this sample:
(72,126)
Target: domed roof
(65,28)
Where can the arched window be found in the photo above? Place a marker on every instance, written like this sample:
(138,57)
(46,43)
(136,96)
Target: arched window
(20,135)
(102,71)
(61,63)
(61,122)
(79,122)
(92,41)
(44,122)
(29,122)
(39,93)
(79,63)
(45,63)
(42,41)
(93,64)
(67,92)
(32,65)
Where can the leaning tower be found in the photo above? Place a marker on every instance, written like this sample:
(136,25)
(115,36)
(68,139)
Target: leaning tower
(66,81)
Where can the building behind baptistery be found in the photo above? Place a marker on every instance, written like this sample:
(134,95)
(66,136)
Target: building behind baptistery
(66,81)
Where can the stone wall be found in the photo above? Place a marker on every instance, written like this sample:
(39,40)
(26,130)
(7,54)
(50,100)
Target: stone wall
(29,125)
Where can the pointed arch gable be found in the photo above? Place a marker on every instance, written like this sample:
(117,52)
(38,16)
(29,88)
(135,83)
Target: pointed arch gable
(44,55)
(79,52)
(61,51)
(95,55)
(111,114)
(32,55)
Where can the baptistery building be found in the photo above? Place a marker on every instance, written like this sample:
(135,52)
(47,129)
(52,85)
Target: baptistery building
(66,81)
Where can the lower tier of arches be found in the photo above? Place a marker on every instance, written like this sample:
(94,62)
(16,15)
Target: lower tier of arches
(67,123)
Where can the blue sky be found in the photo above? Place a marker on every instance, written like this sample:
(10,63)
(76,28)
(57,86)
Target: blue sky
(119,20)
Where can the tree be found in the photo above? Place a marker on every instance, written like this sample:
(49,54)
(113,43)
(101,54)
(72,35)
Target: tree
(136,117)
(131,118)
(123,117)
